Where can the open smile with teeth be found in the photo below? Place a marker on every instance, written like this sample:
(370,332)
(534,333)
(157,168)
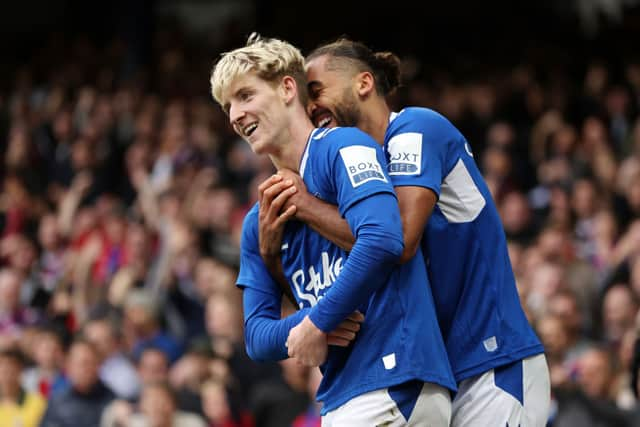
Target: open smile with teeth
(323,120)
(250,128)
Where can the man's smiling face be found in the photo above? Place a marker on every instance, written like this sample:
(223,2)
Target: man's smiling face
(255,110)
(332,98)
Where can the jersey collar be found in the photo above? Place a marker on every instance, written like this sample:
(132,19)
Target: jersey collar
(305,155)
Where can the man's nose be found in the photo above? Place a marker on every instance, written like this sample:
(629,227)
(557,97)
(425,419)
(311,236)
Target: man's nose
(235,116)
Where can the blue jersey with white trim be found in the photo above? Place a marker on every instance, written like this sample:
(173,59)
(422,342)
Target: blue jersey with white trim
(464,245)
(399,339)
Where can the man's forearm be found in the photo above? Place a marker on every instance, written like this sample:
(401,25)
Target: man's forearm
(265,332)
(325,219)
(367,269)
(372,258)
(274,265)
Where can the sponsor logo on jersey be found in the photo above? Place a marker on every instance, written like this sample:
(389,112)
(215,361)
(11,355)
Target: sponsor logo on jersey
(362,164)
(405,154)
(310,284)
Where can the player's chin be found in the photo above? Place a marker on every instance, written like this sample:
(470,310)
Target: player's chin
(256,146)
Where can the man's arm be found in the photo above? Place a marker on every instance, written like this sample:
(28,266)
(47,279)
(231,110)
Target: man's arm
(378,247)
(266,333)
(348,169)
(321,216)
(272,194)
(416,205)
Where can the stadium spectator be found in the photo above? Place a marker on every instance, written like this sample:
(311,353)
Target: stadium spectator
(17,406)
(218,407)
(279,401)
(152,367)
(13,315)
(158,409)
(142,326)
(619,312)
(86,397)
(116,370)
(45,375)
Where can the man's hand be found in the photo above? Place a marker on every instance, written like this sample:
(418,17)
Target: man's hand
(300,198)
(346,331)
(307,343)
(273,193)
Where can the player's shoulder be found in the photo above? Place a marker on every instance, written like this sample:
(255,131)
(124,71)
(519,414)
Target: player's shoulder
(422,117)
(334,138)
(251,217)
(253,211)
(249,234)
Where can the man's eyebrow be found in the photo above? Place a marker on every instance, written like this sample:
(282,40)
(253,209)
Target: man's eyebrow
(236,93)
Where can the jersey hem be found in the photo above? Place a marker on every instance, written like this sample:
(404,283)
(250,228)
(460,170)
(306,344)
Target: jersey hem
(343,398)
(497,362)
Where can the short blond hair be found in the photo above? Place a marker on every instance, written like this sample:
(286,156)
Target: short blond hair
(270,59)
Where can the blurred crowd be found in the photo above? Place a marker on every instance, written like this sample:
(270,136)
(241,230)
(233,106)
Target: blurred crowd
(121,205)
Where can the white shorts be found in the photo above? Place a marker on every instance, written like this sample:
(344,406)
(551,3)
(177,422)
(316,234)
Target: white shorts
(514,395)
(410,404)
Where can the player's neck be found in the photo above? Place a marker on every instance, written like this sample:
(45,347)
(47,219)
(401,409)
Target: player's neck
(375,119)
(293,143)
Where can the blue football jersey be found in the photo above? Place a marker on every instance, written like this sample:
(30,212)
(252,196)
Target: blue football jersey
(464,245)
(399,339)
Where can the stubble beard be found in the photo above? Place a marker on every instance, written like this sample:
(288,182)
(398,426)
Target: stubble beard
(347,112)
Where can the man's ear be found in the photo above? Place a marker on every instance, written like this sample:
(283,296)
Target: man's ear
(289,89)
(365,84)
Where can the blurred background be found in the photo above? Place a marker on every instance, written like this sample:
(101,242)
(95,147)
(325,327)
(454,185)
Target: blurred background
(123,189)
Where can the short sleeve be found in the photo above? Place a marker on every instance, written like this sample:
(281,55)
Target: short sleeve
(417,147)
